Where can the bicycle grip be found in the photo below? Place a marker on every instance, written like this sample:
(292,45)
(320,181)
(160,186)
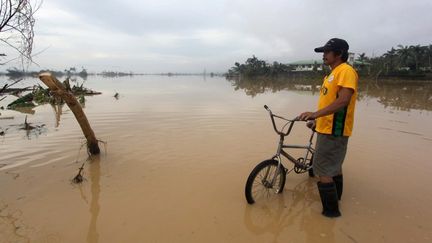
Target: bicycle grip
(266,107)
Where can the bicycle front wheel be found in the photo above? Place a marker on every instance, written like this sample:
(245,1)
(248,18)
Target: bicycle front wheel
(265,180)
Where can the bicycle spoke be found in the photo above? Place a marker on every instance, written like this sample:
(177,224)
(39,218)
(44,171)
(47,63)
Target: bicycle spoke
(258,193)
(266,183)
(260,189)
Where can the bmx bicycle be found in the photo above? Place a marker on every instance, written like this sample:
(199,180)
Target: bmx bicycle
(269,176)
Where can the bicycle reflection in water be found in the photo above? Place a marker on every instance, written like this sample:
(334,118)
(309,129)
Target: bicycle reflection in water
(291,214)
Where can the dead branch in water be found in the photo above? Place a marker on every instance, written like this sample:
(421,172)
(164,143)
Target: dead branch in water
(58,89)
(5,88)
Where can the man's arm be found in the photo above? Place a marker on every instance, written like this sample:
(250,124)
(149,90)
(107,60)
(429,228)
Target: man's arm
(344,97)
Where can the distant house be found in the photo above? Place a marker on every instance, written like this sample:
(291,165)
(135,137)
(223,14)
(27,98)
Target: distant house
(317,65)
(307,65)
(361,64)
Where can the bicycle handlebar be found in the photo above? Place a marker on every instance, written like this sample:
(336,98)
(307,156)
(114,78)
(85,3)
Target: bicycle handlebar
(291,121)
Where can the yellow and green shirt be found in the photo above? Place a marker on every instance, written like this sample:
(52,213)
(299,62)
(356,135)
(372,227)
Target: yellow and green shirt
(341,122)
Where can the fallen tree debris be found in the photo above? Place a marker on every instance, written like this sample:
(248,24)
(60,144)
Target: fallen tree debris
(58,89)
(40,95)
(28,126)
(25,101)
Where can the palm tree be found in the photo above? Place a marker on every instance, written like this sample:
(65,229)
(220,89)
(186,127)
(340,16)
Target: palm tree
(404,54)
(390,59)
(428,55)
(362,57)
(417,53)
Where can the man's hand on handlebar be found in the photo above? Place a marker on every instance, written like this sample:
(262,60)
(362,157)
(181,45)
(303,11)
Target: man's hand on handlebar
(306,116)
(311,124)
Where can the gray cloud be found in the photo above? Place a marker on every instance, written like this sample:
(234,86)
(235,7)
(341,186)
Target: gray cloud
(190,35)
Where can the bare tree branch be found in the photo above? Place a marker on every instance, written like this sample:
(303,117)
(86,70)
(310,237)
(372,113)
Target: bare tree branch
(17,24)
(6,86)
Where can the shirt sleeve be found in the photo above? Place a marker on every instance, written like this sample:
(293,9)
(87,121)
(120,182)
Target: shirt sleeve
(348,79)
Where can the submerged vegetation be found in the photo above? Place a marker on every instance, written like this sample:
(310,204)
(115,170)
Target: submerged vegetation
(30,97)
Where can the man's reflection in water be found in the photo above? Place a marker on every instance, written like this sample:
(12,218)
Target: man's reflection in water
(291,209)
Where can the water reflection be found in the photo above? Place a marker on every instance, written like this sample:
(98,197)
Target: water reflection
(12,228)
(94,170)
(400,95)
(255,86)
(58,111)
(292,208)
(92,234)
(25,110)
(152,107)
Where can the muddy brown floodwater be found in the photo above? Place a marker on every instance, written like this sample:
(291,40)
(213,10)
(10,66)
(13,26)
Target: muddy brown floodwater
(179,150)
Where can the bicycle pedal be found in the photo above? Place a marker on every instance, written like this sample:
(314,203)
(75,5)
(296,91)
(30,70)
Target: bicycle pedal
(301,166)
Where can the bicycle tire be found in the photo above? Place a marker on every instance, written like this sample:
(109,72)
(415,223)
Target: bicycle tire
(251,181)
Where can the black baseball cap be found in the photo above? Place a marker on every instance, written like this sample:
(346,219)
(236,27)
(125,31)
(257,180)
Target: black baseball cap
(334,44)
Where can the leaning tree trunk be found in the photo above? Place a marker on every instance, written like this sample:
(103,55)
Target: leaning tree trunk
(58,89)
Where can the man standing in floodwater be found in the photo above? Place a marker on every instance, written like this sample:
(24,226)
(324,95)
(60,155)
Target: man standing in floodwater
(334,123)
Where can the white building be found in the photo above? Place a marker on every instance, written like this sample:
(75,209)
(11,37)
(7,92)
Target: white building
(309,65)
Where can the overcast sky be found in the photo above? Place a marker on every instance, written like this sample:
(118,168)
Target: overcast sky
(193,35)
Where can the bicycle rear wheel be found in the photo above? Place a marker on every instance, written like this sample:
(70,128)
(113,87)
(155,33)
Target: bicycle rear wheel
(265,180)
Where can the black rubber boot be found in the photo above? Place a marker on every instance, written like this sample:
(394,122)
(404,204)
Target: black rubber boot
(338,180)
(329,199)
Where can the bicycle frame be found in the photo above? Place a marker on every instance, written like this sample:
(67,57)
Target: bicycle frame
(308,155)
(281,146)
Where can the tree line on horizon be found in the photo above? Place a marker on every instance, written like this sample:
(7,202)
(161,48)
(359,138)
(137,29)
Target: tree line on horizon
(411,61)
(15,73)
(256,67)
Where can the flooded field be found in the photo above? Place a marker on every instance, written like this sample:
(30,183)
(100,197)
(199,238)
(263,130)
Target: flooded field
(178,153)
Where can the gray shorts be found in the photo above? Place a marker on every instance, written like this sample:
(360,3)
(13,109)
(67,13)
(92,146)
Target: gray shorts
(329,155)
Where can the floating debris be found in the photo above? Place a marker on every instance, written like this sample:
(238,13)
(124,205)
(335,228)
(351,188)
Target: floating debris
(24,101)
(3,132)
(81,99)
(39,96)
(66,83)
(78,178)
(28,127)
(42,96)
(81,90)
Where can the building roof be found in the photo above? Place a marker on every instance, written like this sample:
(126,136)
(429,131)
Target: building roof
(306,62)
(358,62)
(319,62)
